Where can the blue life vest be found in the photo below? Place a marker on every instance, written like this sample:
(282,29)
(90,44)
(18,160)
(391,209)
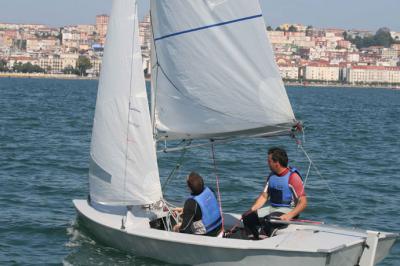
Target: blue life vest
(279,191)
(211,216)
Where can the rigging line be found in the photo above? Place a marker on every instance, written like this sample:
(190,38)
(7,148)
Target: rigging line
(217,181)
(303,135)
(169,204)
(298,142)
(131,83)
(307,175)
(170,212)
(300,146)
(176,168)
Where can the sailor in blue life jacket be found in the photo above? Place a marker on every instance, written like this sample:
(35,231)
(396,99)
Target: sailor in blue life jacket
(201,212)
(284,190)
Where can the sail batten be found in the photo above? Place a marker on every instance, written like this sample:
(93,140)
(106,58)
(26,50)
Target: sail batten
(208,26)
(216,72)
(123,168)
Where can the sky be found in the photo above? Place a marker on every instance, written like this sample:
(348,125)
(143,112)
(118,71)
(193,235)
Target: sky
(346,14)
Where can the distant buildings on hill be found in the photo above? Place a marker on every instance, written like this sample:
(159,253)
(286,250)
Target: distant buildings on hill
(303,53)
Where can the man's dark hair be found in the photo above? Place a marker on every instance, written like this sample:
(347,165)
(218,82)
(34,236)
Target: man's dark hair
(279,155)
(195,183)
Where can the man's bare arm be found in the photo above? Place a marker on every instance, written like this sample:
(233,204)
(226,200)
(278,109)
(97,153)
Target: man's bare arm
(302,204)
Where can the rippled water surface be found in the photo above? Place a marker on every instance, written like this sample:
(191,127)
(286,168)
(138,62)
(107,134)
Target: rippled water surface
(45,126)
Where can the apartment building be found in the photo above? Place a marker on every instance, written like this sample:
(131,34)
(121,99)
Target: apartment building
(101,27)
(321,71)
(353,57)
(36,44)
(396,47)
(23,59)
(389,53)
(373,74)
(289,72)
(395,35)
(68,59)
(96,66)
(278,37)
(52,64)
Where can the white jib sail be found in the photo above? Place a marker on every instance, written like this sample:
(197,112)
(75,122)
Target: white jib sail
(215,75)
(123,168)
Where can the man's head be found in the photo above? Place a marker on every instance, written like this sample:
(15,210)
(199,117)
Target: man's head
(277,159)
(195,183)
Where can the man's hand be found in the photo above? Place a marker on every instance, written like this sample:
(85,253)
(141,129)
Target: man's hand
(246,213)
(286,217)
(177,227)
(177,211)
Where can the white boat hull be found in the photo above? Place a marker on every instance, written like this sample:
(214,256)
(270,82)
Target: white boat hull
(201,250)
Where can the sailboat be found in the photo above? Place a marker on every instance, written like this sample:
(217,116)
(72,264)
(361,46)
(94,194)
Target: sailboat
(214,78)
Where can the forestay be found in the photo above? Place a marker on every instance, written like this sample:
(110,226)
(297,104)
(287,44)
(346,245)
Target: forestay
(214,73)
(123,168)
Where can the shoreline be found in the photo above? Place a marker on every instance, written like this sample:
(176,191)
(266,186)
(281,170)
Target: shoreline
(44,76)
(341,85)
(287,84)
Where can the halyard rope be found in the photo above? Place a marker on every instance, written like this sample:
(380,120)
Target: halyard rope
(176,168)
(312,164)
(217,181)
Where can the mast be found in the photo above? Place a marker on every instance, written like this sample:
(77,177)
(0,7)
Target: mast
(154,75)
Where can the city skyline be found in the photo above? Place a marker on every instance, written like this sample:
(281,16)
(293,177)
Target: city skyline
(344,14)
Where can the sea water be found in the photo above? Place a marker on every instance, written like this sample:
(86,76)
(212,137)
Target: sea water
(351,134)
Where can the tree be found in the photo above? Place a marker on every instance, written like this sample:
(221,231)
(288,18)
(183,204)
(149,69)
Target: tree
(309,30)
(17,66)
(3,66)
(278,29)
(71,70)
(60,35)
(27,68)
(269,28)
(383,37)
(83,64)
(292,28)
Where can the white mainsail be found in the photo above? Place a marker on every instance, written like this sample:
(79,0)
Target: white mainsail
(123,168)
(214,71)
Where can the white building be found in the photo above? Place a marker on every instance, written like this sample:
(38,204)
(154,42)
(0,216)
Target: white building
(373,74)
(321,72)
(395,35)
(353,57)
(289,72)
(69,60)
(52,64)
